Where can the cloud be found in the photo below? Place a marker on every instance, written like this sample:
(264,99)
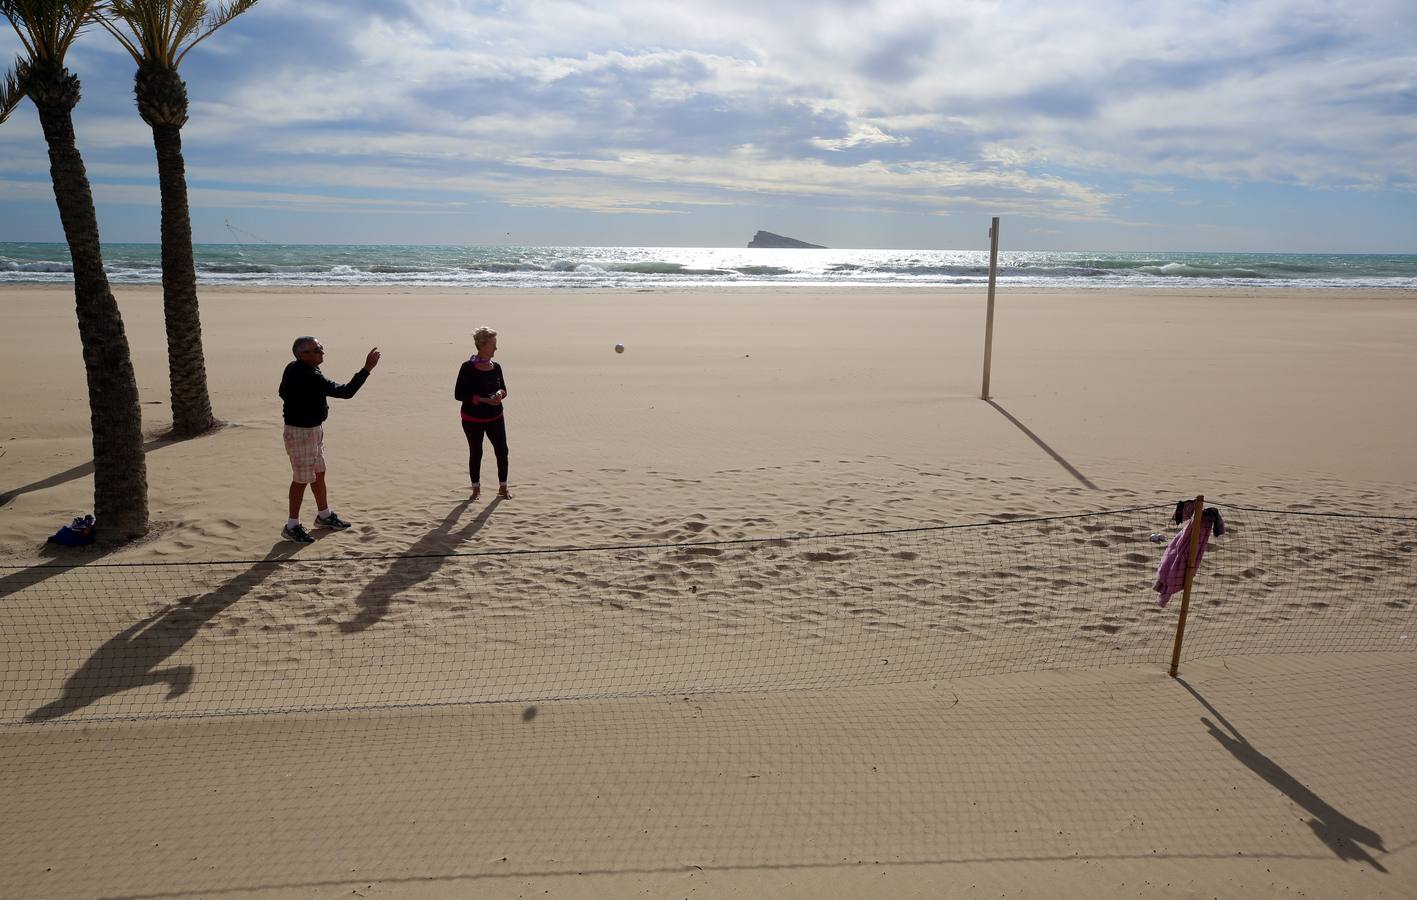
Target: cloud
(1051,110)
(901,57)
(16,191)
(1151,187)
(862,135)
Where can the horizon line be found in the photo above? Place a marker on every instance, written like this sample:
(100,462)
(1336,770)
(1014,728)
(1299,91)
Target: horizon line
(1379,252)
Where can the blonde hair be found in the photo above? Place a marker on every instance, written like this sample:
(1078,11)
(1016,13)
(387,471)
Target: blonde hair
(480,336)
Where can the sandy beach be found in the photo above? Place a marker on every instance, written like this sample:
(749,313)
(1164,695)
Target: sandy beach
(810,410)
(419,728)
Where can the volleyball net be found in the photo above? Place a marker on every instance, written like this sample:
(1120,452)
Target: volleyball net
(152,640)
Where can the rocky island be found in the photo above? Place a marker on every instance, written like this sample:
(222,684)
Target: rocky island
(766,239)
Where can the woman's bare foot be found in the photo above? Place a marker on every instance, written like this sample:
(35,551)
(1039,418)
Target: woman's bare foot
(504,493)
(476,492)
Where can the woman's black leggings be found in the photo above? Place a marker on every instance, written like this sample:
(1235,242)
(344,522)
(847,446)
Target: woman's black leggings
(496,433)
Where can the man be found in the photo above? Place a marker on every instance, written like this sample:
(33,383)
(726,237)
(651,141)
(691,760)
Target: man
(304,388)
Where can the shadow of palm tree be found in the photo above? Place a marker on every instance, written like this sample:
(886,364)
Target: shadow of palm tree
(80,471)
(130,659)
(1339,833)
(415,565)
(1046,449)
(66,559)
(69,557)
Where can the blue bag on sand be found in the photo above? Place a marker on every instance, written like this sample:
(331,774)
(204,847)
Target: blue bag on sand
(75,534)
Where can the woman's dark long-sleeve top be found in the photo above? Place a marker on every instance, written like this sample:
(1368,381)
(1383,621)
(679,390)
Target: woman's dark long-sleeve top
(476,383)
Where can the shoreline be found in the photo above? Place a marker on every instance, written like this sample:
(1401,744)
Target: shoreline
(1168,292)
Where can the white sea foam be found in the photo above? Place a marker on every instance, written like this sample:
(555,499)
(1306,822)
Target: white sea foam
(661,267)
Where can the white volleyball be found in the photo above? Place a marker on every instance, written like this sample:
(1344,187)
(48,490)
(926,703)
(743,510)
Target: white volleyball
(619,348)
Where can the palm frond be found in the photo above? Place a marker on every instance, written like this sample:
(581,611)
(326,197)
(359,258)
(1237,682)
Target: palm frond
(224,13)
(48,28)
(160,32)
(11,10)
(10,92)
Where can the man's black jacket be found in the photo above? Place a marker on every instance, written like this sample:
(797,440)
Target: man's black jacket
(304,388)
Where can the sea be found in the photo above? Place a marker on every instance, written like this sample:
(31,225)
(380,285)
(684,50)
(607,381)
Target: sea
(388,265)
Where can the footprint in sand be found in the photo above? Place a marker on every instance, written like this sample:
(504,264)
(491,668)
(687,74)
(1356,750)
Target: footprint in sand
(1108,628)
(826,556)
(702,551)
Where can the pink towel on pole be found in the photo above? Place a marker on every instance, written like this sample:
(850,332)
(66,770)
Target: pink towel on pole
(1171,574)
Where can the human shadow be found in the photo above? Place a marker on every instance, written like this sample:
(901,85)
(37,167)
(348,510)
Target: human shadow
(1046,449)
(1339,833)
(82,470)
(415,565)
(131,658)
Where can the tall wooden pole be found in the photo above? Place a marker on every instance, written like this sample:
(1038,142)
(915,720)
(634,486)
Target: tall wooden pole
(989,319)
(1197,523)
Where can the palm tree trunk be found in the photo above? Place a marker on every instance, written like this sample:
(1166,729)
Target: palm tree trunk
(186,364)
(120,470)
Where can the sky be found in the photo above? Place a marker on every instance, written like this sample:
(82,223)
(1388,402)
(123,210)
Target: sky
(1272,125)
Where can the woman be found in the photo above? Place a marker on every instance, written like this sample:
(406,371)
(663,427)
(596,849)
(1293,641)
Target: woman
(481,390)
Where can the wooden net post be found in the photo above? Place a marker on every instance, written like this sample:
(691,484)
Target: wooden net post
(1197,522)
(989,318)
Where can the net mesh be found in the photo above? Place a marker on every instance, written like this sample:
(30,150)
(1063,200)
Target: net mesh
(134,641)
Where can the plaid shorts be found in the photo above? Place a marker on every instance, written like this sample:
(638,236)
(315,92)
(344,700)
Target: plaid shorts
(306,449)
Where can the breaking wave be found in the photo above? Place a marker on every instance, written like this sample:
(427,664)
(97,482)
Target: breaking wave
(668,267)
